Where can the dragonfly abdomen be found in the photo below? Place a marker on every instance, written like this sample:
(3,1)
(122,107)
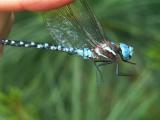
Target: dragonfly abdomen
(28,44)
(85,53)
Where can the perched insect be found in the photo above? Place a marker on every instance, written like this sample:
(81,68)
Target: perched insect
(76,30)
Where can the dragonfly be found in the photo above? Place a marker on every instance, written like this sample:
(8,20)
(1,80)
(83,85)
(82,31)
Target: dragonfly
(76,31)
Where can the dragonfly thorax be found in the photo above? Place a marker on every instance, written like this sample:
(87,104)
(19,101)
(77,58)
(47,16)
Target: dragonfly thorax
(105,51)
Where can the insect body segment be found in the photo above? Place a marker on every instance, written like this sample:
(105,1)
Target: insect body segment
(104,52)
(86,53)
(36,45)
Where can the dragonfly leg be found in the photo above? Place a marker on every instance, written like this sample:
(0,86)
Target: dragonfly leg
(121,74)
(129,62)
(99,72)
(104,63)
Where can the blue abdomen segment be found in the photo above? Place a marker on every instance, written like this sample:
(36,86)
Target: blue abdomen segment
(86,53)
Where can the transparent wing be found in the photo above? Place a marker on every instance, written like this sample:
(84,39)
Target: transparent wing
(95,27)
(74,25)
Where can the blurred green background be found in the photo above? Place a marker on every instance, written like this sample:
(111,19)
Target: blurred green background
(44,85)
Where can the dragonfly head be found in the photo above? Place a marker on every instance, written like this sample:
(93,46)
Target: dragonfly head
(126,52)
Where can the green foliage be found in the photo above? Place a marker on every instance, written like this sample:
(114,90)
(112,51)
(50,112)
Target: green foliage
(45,85)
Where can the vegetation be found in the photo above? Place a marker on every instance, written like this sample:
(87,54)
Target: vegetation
(45,85)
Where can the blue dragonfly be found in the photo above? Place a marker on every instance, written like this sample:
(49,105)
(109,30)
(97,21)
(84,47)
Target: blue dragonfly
(76,30)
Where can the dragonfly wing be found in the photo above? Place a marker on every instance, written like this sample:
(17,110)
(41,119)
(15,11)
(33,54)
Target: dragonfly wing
(65,29)
(95,27)
(74,25)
